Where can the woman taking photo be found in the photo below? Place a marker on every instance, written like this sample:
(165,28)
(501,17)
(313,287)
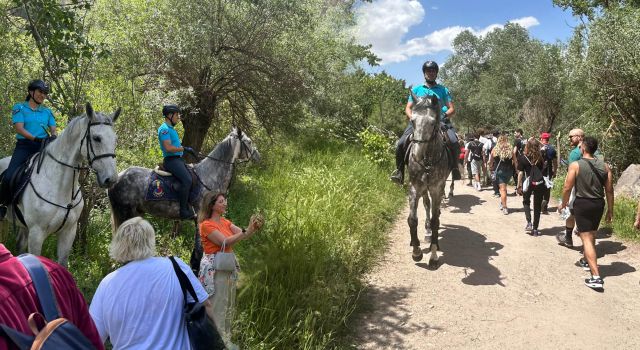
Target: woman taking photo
(216,232)
(501,158)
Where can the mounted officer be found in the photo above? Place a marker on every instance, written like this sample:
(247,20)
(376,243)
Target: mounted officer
(35,127)
(430,70)
(172,151)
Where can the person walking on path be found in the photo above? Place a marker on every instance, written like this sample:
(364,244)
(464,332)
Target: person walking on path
(220,235)
(593,181)
(531,183)
(550,155)
(501,157)
(575,138)
(475,157)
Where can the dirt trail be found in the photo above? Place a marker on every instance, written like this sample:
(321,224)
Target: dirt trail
(497,287)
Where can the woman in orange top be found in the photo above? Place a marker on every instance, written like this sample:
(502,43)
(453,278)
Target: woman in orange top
(216,231)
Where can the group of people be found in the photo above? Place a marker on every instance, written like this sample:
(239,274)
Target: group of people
(532,164)
(139,305)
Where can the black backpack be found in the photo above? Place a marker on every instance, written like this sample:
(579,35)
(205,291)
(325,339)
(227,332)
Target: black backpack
(57,333)
(475,148)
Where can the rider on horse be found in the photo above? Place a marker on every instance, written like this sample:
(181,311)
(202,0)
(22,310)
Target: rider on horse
(173,162)
(430,71)
(31,120)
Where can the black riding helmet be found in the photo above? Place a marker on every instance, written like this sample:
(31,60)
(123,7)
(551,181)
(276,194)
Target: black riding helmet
(38,85)
(168,109)
(430,65)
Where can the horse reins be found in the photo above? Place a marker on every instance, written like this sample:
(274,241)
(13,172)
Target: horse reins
(76,168)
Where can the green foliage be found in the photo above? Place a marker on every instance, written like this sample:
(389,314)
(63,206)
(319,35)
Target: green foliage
(377,146)
(302,274)
(624,214)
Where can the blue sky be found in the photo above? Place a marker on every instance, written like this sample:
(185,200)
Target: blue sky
(405,33)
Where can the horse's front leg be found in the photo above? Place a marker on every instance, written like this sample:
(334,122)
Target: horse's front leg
(412,220)
(435,227)
(427,222)
(65,241)
(36,239)
(451,189)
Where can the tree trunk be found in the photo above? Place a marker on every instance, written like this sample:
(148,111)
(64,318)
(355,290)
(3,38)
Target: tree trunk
(197,124)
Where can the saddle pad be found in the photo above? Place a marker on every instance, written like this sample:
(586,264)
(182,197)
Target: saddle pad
(162,188)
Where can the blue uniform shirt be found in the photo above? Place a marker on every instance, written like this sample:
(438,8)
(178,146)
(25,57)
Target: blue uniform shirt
(167,132)
(438,90)
(36,121)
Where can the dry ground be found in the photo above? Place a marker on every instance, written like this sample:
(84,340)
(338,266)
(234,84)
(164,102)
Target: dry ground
(497,287)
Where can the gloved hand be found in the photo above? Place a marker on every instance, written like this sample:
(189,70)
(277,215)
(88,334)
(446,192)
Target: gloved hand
(52,137)
(190,150)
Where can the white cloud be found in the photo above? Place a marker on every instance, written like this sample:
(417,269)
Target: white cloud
(384,24)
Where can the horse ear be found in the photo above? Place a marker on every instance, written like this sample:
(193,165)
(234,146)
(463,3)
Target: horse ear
(89,110)
(239,133)
(413,96)
(116,115)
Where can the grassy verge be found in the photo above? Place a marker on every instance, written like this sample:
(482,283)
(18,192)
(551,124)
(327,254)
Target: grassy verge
(326,210)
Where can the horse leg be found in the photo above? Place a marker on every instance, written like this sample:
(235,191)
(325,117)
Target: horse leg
(435,227)
(65,241)
(22,239)
(412,220)
(451,189)
(427,222)
(35,240)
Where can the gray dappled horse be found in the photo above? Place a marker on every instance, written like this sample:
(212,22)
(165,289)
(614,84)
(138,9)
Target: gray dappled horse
(127,196)
(52,201)
(428,171)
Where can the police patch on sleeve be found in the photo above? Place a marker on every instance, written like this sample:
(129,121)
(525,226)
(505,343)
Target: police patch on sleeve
(164,132)
(15,110)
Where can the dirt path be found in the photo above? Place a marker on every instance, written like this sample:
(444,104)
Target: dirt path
(497,287)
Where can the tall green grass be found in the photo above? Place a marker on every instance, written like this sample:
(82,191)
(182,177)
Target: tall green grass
(327,209)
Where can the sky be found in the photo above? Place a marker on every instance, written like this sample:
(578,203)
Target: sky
(405,33)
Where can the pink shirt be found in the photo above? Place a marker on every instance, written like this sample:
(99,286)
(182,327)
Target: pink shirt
(18,298)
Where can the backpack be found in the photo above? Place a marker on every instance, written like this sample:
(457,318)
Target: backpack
(475,148)
(58,332)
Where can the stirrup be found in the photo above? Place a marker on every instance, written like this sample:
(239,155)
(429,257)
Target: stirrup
(397,176)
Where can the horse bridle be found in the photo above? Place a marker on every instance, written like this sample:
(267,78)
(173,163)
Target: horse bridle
(435,128)
(90,150)
(244,146)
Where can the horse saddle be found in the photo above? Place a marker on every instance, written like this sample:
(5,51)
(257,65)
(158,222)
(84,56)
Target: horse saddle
(162,186)
(12,188)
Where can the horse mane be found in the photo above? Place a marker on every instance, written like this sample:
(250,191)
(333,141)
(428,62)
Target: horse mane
(222,148)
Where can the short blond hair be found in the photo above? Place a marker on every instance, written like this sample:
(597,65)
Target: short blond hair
(135,239)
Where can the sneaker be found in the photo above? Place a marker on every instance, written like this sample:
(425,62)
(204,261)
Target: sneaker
(584,264)
(397,176)
(505,211)
(535,232)
(564,240)
(478,187)
(594,282)
(500,205)
(528,228)
(496,195)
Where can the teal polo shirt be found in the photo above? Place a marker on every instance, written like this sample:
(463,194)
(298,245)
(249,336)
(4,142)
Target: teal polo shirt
(438,90)
(36,121)
(167,132)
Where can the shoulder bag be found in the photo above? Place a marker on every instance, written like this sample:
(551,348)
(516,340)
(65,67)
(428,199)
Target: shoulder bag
(224,261)
(203,333)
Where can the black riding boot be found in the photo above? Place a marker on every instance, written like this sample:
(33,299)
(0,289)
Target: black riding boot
(175,165)
(398,174)
(454,152)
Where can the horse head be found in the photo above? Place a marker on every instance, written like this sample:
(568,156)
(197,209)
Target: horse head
(425,117)
(98,145)
(247,150)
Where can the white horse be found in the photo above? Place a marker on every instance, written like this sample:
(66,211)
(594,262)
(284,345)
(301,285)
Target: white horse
(52,201)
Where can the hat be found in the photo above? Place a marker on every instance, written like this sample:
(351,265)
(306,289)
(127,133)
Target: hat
(545,136)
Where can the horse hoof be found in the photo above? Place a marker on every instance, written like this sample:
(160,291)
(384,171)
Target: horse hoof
(417,258)
(433,263)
